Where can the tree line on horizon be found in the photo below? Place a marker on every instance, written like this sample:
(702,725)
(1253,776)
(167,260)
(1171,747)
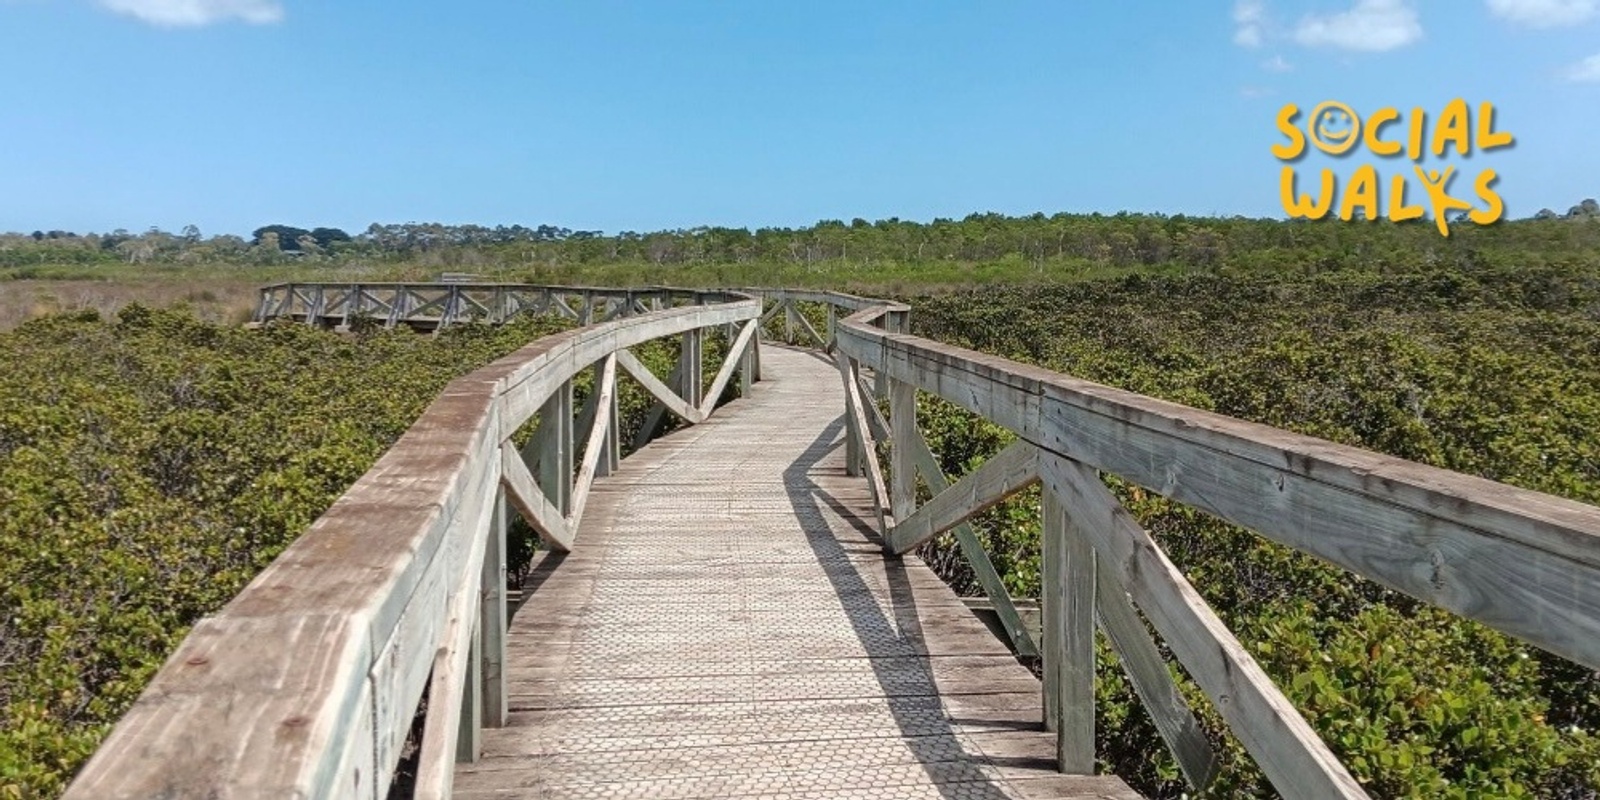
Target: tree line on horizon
(1121,240)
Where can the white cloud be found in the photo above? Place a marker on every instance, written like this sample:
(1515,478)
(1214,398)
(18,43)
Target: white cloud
(1372,25)
(1277,64)
(1585,71)
(1545,13)
(1249,16)
(193,13)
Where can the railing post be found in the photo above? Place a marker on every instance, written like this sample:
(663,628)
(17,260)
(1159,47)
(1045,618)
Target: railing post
(468,738)
(398,307)
(902,430)
(831,321)
(788,322)
(492,619)
(555,448)
(352,305)
(1068,589)
(693,367)
(853,462)
(893,321)
(314,312)
(612,457)
(747,364)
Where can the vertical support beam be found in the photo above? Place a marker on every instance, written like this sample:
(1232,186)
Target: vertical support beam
(831,322)
(693,367)
(788,322)
(492,619)
(1067,564)
(352,303)
(555,448)
(397,307)
(880,381)
(469,734)
(314,313)
(853,462)
(755,355)
(612,457)
(902,431)
(747,363)
(893,322)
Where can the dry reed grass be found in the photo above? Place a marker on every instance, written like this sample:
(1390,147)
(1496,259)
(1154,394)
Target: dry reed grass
(216,299)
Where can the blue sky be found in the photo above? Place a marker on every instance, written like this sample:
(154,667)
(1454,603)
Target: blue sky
(230,114)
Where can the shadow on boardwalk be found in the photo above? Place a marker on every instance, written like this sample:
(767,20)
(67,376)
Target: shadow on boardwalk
(893,640)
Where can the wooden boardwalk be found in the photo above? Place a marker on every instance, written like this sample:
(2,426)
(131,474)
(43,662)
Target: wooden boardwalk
(729,626)
(726,623)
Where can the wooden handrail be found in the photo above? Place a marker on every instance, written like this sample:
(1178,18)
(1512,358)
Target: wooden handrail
(306,684)
(1523,562)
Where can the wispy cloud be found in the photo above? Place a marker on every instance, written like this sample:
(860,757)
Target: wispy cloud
(1277,64)
(1545,13)
(1585,71)
(1370,25)
(1249,20)
(195,13)
(1254,92)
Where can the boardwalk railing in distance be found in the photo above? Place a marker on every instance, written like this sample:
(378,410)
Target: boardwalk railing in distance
(307,684)
(1520,561)
(430,306)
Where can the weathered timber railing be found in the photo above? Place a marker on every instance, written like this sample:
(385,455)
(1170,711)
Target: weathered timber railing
(1523,562)
(307,684)
(438,305)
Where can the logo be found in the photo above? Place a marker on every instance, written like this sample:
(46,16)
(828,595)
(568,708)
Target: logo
(1335,129)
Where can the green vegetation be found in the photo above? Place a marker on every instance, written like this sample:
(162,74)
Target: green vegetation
(150,463)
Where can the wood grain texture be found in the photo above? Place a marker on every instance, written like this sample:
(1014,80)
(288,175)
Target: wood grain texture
(972,549)
(901,438)
(1146,669)
(667,397)
(450,663)
(1523,562)
(494,617)
(1004,474)
(1067,578)
(595,448)
(1291,754)
(736,351)
(535,508)
(866,445)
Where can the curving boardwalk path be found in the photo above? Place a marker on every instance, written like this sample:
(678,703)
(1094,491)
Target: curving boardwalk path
(728,626)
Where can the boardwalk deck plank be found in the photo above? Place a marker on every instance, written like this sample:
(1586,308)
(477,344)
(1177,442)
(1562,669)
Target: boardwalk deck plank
(728,626)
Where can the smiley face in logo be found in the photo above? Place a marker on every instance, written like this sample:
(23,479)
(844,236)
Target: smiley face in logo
(1334,128)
